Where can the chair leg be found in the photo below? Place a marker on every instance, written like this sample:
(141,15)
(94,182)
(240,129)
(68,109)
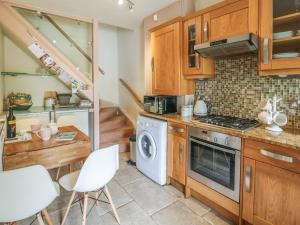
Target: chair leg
(68,209)
(86,196)
(47,217)
(112,204)
(58,173)
(40,219)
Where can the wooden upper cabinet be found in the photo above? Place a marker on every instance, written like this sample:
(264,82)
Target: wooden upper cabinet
(233,19)
(279,16)
(167,78)
(270,185)
(195,66)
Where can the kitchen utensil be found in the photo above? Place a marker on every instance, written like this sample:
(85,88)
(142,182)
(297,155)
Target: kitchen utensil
(53,127)
(200,108)
(44,134)
(265,105)
(272,117)
(265,117)
(20,101)
(286,55)
(280,119)
(187,111)
(281,35)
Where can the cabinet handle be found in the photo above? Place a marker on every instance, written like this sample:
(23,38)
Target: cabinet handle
(265,56)
(197,60)
(273,155)
(248,178)
(205,31)
(181,147)
(152,64)
(178,130)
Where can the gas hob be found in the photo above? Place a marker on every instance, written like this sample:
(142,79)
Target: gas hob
(235,123)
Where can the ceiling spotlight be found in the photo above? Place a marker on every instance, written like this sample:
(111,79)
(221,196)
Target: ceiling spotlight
(131,7)
(120,2)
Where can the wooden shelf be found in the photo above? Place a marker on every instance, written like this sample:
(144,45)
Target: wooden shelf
(287,41)
(190,40)
(287,19)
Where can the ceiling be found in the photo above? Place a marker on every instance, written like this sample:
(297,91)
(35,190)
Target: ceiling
(106,11)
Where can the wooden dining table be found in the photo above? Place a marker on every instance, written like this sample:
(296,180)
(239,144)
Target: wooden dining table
(50,154)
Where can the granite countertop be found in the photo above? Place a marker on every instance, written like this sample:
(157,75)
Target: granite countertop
(286,138)
(42,109)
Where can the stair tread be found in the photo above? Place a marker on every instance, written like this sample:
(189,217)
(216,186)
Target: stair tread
(120,141)
(108,109)
(119,129)
(113,119)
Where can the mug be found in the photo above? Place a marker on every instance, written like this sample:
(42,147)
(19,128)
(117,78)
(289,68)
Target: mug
(53,127)
(44,134)
(35,127)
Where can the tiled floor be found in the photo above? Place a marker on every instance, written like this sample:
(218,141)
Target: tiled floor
(139,201)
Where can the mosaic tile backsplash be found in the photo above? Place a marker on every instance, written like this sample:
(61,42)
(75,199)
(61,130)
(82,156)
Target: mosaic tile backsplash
(238,89)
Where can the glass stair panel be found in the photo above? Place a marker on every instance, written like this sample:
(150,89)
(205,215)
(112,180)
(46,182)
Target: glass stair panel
(73,38)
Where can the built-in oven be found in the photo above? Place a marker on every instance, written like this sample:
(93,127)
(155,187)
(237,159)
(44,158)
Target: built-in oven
(215,161)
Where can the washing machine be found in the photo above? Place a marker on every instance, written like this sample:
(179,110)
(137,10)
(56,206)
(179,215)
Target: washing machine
(151,145)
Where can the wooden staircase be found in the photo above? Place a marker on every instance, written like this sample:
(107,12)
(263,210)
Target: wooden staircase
(115,128)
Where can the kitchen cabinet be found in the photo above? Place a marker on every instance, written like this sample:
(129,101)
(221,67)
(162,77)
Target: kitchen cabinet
(167,78)
(279,53)
(195,66)
(177,152)
(271,185)
(233,19)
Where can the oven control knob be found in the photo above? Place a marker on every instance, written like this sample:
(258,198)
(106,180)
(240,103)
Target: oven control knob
(215,139)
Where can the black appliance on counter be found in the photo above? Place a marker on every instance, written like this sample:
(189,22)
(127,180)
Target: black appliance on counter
(160,104)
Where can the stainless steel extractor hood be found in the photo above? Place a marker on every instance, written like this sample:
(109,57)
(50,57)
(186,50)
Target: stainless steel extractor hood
(243,44)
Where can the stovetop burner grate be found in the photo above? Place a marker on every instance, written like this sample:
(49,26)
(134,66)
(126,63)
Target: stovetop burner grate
(229,122)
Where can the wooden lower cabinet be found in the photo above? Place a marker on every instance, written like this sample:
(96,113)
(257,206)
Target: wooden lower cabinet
(271,195)
(177,152)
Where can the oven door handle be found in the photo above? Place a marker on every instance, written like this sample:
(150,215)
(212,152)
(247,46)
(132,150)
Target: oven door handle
(213,146)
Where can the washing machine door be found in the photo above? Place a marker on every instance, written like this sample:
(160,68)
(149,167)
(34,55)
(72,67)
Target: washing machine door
(146,146)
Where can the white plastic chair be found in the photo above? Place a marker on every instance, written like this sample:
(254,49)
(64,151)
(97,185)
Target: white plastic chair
(26,192)
(99,168)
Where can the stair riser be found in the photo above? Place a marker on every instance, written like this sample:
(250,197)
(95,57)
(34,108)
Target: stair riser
(105,115)
(114,136)
(107,126)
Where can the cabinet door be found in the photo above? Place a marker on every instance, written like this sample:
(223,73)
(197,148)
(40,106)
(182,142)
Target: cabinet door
(165,45)
(229,21)
(177,145)
(177,152)
(274,195)
(192,37)
(279,54)
(195,66)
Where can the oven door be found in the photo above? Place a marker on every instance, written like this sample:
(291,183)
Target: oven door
(215,166)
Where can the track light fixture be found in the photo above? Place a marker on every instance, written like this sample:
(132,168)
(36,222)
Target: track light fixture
(129,2)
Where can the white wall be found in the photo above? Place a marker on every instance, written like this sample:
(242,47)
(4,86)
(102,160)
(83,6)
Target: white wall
(108,60)
(21,60)
(131,68)
(201,4)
